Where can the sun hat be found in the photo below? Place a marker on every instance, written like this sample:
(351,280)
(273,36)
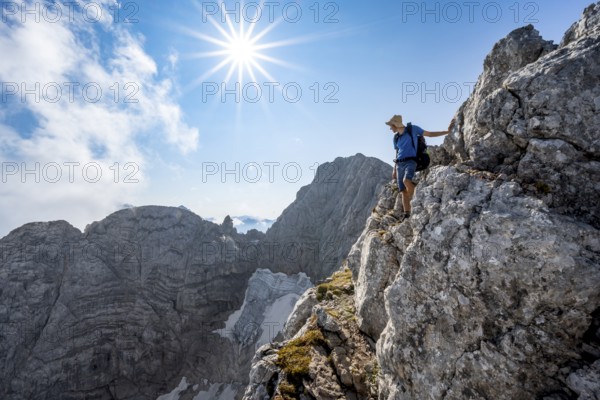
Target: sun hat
(396,121)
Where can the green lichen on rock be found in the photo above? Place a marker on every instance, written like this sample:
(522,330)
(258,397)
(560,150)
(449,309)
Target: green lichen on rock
(294,358)
(340,283)
(329,357)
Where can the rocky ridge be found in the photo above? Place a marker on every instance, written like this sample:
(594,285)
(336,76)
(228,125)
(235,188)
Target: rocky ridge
(121,310)
(324,357)
(536,99)
(491,290)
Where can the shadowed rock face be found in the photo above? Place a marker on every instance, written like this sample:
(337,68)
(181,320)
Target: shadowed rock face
(491,289)
(142,299)
(121,310)
(316,232)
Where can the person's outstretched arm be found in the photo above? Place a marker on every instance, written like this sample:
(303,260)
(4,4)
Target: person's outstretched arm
(441,133)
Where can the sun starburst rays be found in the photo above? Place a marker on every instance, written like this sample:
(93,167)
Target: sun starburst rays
(238,46)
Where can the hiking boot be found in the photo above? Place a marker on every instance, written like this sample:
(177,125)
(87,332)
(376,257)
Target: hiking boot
(405,216)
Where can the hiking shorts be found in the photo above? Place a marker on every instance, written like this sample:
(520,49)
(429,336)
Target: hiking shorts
(406,170)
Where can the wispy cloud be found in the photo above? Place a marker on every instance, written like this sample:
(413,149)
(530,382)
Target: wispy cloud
(95,97)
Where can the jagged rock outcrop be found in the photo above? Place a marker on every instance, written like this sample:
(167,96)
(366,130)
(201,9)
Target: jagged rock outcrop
(300,314)
(481,141)
(491,289)
(148,301)
(535,117)
(315,233)
(325,358)
(375,264)
(587,26)
(488,279)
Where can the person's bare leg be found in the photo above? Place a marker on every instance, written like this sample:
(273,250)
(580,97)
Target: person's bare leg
(407,194)
(398,207)
(405,200)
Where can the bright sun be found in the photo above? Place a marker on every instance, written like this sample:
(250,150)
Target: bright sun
(242,51)
(238,47)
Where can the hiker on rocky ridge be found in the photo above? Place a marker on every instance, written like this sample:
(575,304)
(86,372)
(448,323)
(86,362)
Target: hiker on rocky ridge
(406,151)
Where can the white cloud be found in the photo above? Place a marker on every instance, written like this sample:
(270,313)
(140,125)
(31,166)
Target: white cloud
(237,222)
(173,59)
(75,129)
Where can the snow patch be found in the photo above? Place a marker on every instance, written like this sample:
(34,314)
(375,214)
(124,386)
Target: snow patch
(217,391)
(275,316)
(175,393)
(268,302)
(227,332)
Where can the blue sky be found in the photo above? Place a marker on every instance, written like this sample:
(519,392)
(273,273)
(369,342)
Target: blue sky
(161,132)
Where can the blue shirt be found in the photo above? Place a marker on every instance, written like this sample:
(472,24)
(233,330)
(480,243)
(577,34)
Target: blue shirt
(403,143)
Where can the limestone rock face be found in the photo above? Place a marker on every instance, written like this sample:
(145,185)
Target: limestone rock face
(375,264)
(123,310)
(489,280)
(491,289)
(534,116)
(315,233)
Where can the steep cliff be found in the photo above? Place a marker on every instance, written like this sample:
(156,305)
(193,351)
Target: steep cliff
(491,289)
(318,229)
(121,310)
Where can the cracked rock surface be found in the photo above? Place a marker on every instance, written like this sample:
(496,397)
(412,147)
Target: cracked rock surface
(534,115)
(492,296)
(327,357)
(491,290)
